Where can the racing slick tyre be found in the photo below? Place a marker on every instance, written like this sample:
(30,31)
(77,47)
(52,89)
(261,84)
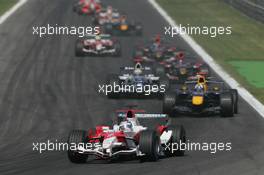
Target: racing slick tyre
(138,29)
(75,7)
(205,71)
(160,71)
(164,81)
(117,48)
(79,48)
(77,137)
(169,101)
(79,11)
(226,104)
(109,29)
(95,21)
(138,53)
(149,143)
(113,81)
(235,100)
(178,137)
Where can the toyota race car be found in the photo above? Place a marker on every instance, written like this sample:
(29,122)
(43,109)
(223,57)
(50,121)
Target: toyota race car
(137,81)
(99,45)
(127,138)
(201,97)
(87,7)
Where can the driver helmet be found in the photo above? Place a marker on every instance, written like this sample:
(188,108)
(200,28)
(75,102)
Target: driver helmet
(123,18)
(180,61)
(155,45)
(157,39)
(97,37)
(130,114)
(199,87)
(138,69)
(126,126)
(109,9)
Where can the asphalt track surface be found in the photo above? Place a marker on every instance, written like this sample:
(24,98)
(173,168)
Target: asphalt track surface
(46,91)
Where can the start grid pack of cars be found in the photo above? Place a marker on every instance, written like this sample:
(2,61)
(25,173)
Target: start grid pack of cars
(184,85)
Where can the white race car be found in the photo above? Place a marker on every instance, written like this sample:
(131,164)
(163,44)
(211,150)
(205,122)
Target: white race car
(129,138)
(100,45)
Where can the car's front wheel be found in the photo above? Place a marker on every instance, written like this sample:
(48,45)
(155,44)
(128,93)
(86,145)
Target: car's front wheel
(149,144)
(76,137)
(177,140)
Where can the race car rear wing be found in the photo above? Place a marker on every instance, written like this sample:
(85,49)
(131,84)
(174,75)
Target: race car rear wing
(144,116)
(133,68)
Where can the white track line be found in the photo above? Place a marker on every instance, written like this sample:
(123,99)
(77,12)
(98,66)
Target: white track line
(247,96)
(8,13)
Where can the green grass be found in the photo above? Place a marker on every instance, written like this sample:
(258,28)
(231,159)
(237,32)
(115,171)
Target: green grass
(6,4)
(252,71)
(245,43)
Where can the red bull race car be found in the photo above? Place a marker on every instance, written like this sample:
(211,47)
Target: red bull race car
(203,96)
(128,138)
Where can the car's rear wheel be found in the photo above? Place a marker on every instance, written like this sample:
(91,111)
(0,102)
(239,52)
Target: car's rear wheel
(160,70)
(79,48)
(75,138)
(169,101)
(235,100)
(178,138)
(109,29)
(226,104)
(138,29)
(138,53)
(95,20)
(149,143)
(75,7)
(117,48)
(165,82)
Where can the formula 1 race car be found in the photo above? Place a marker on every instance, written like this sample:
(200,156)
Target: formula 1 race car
(202,97)
(97,45)
(123,27)
(108,15)
(137,81)
(157,50)
(87,7)
(181,70)
(128,138)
